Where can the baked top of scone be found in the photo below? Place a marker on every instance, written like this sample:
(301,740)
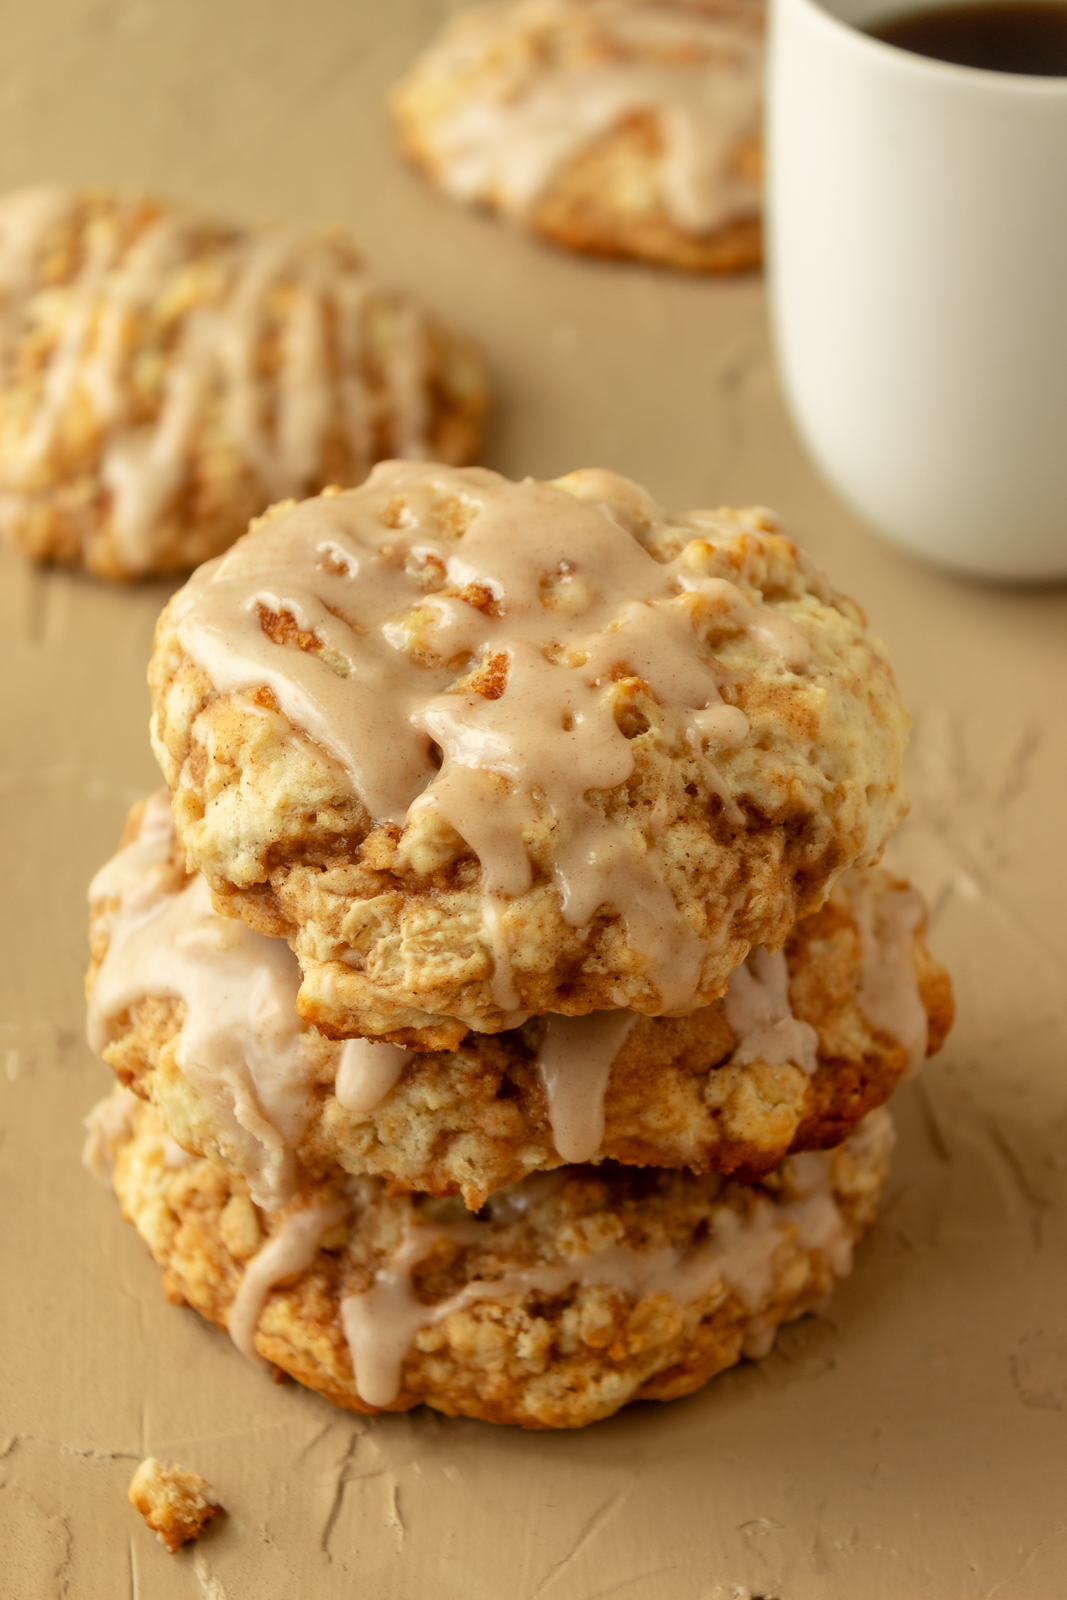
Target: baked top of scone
(482,749)
(621,127)
(164,377)
(197,1013)
(568,1296)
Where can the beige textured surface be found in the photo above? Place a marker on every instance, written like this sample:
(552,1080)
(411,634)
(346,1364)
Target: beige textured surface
(910,1447)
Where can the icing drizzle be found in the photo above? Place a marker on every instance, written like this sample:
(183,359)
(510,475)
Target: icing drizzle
(574,1064)
(758,1010)
(738,1253)
(292,1249)
(366,1072)
(888,993)
(551,598)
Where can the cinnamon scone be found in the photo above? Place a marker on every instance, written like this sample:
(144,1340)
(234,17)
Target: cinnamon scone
(165,377)
(483,749)
(197,1013)
(567,1296)
(618,127)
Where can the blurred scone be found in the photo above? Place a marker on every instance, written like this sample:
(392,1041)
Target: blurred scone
(166,377)
(569,1295)
(197,1013)
(483,749)
(619,127)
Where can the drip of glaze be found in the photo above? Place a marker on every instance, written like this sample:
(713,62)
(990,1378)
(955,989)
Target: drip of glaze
(66,358)
(502,986)
(241,1041)
(143,467)
(292,1249)
(888,919)
(561,612)
(110,1122)
(758,1010)
(511,137)
(133,286)
(574,1065)
(366,1072)
(739,1254)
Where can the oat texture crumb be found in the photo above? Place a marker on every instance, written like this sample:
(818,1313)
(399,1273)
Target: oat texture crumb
(176,1504)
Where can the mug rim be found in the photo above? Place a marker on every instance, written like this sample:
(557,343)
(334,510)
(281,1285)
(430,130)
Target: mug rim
(982,78)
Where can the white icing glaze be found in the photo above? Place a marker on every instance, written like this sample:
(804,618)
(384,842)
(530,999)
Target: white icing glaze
(888,996)
(143,864)
(557,612)
(738,1254)
(757,1009)
(277,426)
(143,467)
(574,1064)
(381,1324)
(134,284)
(291,1250)
(696,69)
(100,256)
(110,1122)
(241,1041)
(366,1072)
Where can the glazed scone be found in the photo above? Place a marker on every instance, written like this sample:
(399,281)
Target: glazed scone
(570,1295)
(618,127)
(197,1014)
(483,749)
(166,377)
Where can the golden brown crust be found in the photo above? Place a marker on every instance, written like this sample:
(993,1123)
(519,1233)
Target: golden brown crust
(536,1359)
(58,503)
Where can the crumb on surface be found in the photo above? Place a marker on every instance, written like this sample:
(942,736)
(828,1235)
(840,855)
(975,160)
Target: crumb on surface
(175,1503)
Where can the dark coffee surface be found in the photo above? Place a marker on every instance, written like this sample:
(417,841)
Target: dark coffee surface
(1029,36)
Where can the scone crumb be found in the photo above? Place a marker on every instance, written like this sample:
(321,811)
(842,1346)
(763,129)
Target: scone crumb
(176,1504)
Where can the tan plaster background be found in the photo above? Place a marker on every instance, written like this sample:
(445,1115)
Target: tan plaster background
(912,1443)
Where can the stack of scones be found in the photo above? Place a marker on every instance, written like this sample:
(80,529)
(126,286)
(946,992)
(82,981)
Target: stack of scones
(502,996)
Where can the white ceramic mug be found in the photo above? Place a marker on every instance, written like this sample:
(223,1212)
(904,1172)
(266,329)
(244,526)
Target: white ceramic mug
(917,221)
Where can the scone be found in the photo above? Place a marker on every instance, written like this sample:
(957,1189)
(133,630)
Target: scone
(481,750)
(619,127)
(569,1295)
(197,1013)
(166,377)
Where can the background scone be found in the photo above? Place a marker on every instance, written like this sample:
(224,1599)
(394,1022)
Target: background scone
(165,377)
(197,1013)
(620,127)
(569,1296)
(482,749)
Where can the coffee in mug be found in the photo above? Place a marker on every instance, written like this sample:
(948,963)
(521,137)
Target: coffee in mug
(1027,36)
